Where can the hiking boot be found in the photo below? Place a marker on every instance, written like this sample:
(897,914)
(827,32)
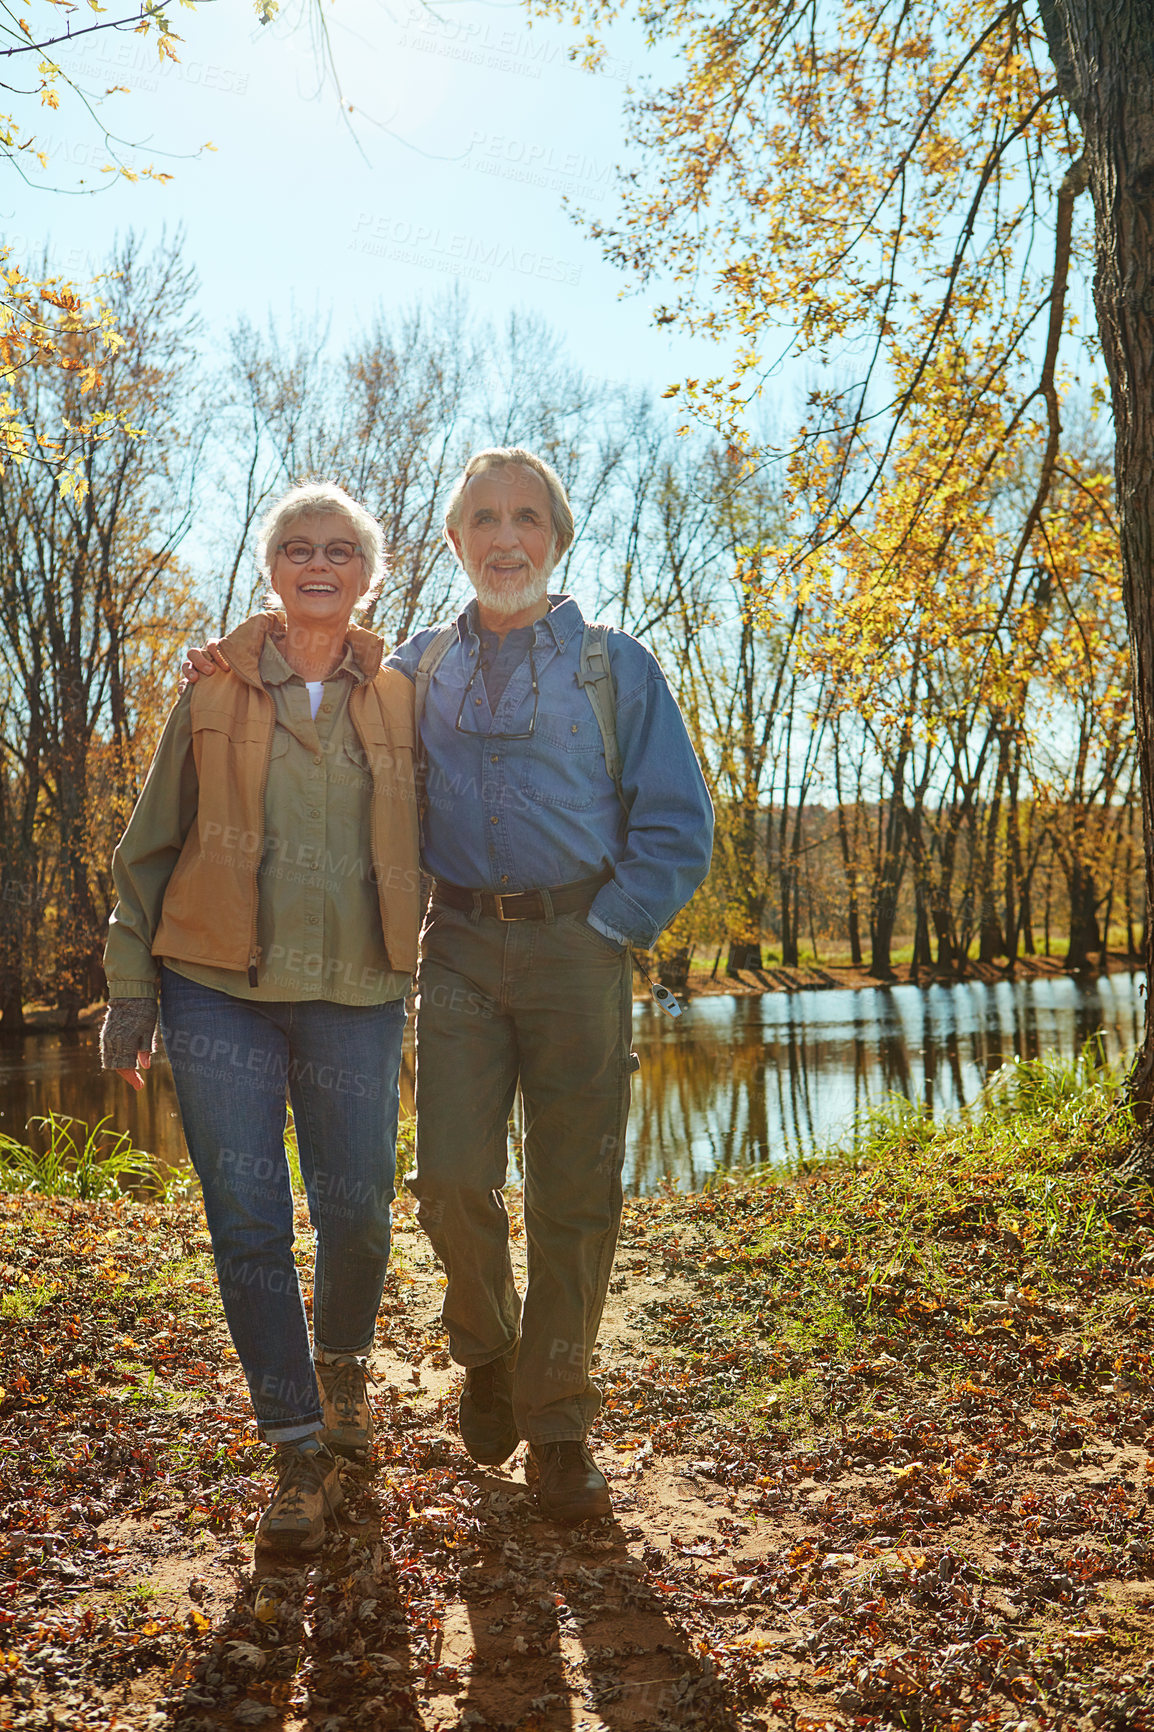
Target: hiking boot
(308,1490)
(485,1412)
(348,1418)
(570,1485)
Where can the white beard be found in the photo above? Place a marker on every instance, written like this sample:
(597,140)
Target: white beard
(506,598)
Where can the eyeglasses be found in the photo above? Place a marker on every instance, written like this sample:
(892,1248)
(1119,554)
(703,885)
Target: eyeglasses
(336,552)
(493,733)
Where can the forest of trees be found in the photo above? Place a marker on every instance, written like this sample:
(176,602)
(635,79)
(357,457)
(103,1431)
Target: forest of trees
(922,749)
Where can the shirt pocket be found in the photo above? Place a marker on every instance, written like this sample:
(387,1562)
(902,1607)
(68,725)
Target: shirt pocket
(564,762)
(246,728)
(350,769)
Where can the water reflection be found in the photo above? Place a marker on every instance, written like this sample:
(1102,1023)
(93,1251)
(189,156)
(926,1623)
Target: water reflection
(744,1081)
(736,1082)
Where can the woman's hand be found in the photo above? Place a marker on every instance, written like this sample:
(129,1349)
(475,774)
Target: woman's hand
(133,1077)
(127,1038)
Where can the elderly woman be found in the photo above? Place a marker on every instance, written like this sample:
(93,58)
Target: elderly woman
(268,897)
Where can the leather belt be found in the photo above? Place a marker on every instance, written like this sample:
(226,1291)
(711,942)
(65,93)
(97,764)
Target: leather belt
(521,904)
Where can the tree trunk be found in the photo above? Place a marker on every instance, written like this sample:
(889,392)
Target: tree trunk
(849,860)
(891,868)
(1084,938)
(743,954)
(1104,57)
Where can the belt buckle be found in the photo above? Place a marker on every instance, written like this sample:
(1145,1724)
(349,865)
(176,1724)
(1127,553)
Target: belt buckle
(500,899)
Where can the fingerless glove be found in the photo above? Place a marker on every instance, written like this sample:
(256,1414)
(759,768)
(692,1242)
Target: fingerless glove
(129,1028)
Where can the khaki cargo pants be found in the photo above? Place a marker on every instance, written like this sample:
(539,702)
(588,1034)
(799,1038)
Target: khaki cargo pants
(546,1004)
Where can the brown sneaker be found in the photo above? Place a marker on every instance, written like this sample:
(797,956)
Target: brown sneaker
(308,1491)
(348,1418)
(570,1485)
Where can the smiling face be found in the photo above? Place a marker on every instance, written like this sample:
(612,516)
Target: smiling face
(320,594)
(504,540)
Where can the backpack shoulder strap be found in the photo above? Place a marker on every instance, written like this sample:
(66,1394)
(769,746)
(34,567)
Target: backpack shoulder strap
(432,656)
(595,675)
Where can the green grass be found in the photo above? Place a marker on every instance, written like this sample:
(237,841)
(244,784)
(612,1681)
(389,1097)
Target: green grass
(27,1301)
(92,1162)
(176,1275)
(833,952)
(78,1160)
(909,1241)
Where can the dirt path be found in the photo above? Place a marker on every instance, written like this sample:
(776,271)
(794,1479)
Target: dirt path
(808,1530)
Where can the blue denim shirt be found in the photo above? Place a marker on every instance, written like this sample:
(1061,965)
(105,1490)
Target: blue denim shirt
(520,799)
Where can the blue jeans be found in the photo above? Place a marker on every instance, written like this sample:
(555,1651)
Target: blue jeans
(233,1062)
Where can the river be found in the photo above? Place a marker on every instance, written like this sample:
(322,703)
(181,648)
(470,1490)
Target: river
(733,1083)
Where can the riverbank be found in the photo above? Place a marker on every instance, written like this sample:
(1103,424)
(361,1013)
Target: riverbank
(742,983)
(814,977)
(881,1447)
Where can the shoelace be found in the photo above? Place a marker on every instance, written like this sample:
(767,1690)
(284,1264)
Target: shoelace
(348,1390)
(570,1453)
(301,1473)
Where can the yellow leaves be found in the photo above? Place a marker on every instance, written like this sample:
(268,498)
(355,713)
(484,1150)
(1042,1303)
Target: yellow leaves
(48,323)
(64,298)
(269,1598)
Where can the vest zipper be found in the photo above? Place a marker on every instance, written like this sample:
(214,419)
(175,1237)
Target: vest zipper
(254,953)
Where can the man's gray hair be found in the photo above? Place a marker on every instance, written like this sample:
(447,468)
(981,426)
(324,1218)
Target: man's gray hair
(506,456)
(323,499)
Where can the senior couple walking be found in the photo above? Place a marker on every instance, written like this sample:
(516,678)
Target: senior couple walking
(268,888)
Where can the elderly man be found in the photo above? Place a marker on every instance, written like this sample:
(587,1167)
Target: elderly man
(565,818)
(544,873)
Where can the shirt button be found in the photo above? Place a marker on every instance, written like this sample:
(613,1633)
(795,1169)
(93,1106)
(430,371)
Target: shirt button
(504,877)
(493,758)
(314,812)
(318,759)
(494,820)
(477,701)
(573,729)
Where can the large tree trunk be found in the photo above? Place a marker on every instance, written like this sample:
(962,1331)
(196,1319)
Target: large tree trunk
(887,884)
(1104,57)
(849,855)
(1085,941)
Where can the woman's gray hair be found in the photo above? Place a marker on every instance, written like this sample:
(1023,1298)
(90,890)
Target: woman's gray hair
(323,499)
(504,456)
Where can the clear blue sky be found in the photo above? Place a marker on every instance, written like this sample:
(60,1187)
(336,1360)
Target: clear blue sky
(469,129)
